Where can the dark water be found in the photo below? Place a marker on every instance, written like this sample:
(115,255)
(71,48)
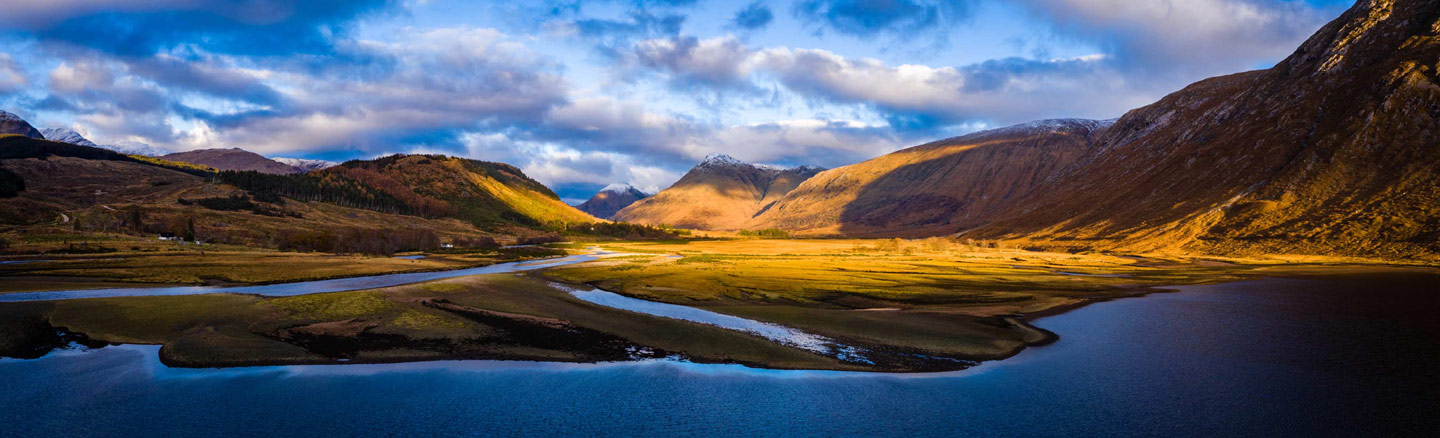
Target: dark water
(1349,356)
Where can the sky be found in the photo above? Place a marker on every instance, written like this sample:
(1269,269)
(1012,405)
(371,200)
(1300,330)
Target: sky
(581,94)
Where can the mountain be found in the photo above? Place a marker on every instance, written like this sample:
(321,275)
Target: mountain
(67,135)
(1332,151)
(611,199)
(720,193)
(483,193)
(305,165)
(452,196)
(135,148)
(232,159)
(935,188)
(93,189)
(13,124)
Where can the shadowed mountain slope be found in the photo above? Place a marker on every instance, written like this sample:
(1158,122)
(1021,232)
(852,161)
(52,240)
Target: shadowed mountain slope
(720,193)
(232,159)
(92,189)
(933,188)
(491,196)
(611,199)
(484,193)
(13,124)
(1332,151)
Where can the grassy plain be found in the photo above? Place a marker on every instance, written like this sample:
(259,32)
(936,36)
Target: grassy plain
(488,316)
(911,305)
(930,296)
(148,261)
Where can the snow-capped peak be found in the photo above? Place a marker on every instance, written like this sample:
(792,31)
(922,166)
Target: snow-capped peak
(720,159)
(66,135)
(135,148)
(618,188)
(305,164)
(625,187)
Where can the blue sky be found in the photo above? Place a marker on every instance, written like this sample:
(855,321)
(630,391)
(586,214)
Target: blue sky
(581,94)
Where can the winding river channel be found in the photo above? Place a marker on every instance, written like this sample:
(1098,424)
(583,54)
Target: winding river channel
(305,287)
(1324,356)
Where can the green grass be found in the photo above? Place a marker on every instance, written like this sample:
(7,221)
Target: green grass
(334,306)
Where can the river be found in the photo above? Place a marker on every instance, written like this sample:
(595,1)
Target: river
(305,287)
(1333,356)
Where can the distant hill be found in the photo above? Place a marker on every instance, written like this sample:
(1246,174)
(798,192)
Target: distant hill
(305,165)
(487,196)
(484,193)
(934,188)
(135,148)
(611,199)
(417,190)
(232,159)
(720,193)
(13,124)
(67,135)
(92,189)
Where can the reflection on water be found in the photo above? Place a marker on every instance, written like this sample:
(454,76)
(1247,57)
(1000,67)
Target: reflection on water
(1349,356)
(774,332)
(303,287)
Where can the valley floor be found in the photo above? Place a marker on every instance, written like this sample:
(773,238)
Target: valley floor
(907,306)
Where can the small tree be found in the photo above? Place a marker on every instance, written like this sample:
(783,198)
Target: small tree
(137,220)
(189,234)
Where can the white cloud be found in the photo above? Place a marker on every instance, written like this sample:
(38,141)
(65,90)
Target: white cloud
(12,79)
(1213,36)
(999,92)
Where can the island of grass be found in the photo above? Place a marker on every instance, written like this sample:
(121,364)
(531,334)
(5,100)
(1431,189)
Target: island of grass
(909,306)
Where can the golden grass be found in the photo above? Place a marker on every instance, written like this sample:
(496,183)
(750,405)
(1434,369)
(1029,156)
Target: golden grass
(333,306)
(168,163)
(925,274)
(247,267)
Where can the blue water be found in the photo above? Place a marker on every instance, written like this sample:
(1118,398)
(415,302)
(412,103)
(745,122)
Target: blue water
(1335,357)
(303,287)
(774,332)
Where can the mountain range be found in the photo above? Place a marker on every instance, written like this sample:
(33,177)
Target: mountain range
(1331,151)
(67,135)
(720,193)
(97,189)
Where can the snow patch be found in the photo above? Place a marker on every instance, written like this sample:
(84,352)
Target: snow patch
(721,159)
(305,164)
